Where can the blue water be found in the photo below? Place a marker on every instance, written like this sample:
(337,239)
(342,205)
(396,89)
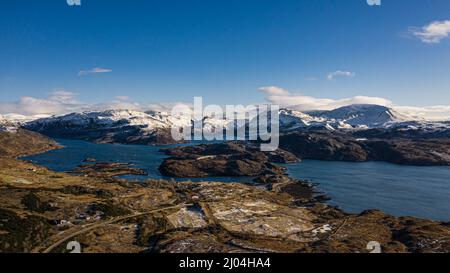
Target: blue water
(140,156)
(398,190)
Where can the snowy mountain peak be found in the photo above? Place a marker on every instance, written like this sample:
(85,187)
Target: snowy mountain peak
(293,119)
(365,115)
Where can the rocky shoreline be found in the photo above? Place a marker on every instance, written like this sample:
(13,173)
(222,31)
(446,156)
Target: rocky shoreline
(224,159)
(42,210)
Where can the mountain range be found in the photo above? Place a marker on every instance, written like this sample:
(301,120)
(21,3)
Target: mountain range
(126,126)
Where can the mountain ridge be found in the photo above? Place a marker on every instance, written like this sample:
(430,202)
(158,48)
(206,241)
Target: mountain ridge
(130,126)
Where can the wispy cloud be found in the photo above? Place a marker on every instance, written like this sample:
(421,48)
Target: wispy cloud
(274,90)
(96,70)
(432,33)
(345,74)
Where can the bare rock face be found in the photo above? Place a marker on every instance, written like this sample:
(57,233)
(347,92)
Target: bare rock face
(225,159)
(187,218)
(262,218)
(200,242)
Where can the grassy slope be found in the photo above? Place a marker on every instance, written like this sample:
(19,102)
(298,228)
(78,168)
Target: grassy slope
(24,143)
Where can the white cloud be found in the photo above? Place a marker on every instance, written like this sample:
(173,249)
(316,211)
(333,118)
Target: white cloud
(122,98)
(63,102)
(432,33)
(58,102)
(308,103)
(437,112)
(346,74)
(274,90)
(94,71)
(165,107)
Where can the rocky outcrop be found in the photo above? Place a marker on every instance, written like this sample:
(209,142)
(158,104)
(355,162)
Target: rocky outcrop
(224,159)
(302,191)
(411,130)
(216,167)
(108,169)
(324,146)
(352,233)
(345,147)
(230,149)
(432,152)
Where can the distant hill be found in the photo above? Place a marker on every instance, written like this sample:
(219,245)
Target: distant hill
(23,142)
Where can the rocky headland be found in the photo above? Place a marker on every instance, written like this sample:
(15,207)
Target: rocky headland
(223,159)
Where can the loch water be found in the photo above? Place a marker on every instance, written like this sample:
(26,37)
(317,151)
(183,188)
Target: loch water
(395,189)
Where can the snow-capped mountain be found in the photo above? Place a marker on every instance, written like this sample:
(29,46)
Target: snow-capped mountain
(291,120)
(7,126)
(109,119)
(17,118)
(125,126)
(112,126)
(122,126)
(112,119)
(363,115)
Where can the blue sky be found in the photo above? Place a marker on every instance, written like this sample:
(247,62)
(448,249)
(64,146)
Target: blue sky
(163,51)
